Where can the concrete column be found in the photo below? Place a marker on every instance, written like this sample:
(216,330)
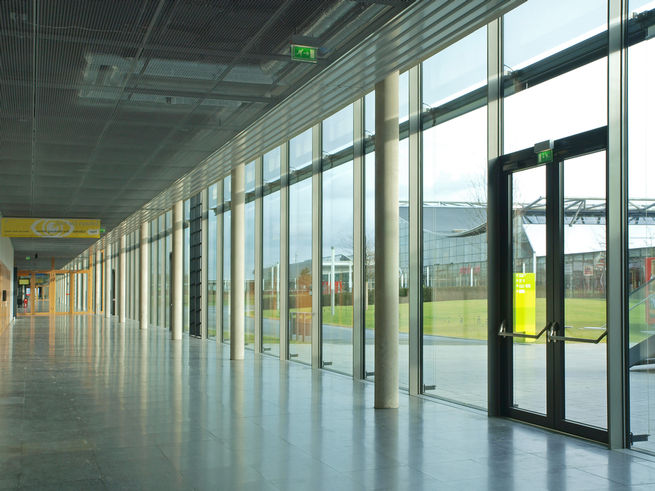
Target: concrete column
(177,271)
(386,242)
(144,277)
(98,280)
(122,283)
(237,298)
(108,281)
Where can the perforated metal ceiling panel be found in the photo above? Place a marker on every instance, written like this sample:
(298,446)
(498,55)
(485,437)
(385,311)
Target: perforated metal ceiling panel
(104,104)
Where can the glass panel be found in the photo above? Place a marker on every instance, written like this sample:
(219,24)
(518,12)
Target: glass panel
(455,259)
(529,288)
(187,263)
(539,28)
(369,251)
(585,239)
(169,251)
(641,232)
(300,271)
(300,151)
(161,273)
(441,85)
(577,100)
(249,272)
(271,274)
(403,273)
(227,235)
(212,223)
(337,269)
(338,132)
(41,287)
(154,266)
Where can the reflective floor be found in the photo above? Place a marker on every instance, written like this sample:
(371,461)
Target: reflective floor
(86,403)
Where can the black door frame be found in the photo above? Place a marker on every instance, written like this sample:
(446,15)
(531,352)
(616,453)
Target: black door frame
(563,149)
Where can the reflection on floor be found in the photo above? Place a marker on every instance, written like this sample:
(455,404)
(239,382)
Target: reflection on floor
(86,403)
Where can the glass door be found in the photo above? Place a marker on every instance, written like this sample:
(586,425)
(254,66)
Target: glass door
(555,297)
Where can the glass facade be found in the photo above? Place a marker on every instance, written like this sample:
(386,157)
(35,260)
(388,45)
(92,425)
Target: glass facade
(271,234)
(554,85)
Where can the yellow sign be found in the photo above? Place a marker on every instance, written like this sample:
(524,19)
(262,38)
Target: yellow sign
(54,228)
(525,304)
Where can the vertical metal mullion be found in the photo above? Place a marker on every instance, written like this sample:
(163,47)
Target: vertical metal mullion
(283,285)
(358,236)
(415,232)
(617,244)
(497,357)
(555,293)
(258,255)
(317,245)
(219,263)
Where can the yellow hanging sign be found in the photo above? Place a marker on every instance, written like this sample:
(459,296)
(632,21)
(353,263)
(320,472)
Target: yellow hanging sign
(53,228)
(525,304)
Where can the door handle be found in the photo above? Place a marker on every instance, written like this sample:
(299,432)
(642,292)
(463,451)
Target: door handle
(502,332)
(554,337)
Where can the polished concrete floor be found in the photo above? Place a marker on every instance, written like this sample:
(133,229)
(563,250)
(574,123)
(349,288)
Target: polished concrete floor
(86,403)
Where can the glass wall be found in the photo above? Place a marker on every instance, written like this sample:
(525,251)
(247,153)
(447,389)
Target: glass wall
(227,237)
(576,100)
(454,218)
(154,270)
(249,257)
(337,254)
(271,252)
(641,227)
(212,224)
(187,264)
(300,248)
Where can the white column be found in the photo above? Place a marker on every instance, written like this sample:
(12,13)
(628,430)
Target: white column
(386,242)
(122,283)
(144,277)
(108,280)
(177,271)
(237,298)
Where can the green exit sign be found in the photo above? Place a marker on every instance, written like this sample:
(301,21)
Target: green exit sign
(303,53)
(545,157)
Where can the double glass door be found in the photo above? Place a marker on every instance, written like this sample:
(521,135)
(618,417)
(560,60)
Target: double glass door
(553,335)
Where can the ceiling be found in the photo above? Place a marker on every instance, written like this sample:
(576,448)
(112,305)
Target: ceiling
(104,104)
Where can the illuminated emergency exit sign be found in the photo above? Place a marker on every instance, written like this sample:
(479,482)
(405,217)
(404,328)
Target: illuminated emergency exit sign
(303,53)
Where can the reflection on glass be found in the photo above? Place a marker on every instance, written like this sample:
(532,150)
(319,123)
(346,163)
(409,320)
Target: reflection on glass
(212,221)
(529,288)
(585,240)
(227,236)
(300,271)
(455,259)
(641,230)
(403,272)
(337,269)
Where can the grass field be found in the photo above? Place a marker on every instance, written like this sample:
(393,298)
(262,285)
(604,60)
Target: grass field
(468,318)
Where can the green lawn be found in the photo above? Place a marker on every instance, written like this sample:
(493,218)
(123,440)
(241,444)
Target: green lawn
(468,318)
